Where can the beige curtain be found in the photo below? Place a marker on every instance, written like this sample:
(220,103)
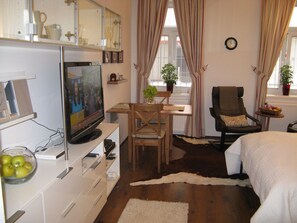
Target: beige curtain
(190,20)
(276,15)
(150,23)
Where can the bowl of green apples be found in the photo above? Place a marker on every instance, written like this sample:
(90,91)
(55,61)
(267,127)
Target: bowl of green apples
(18,164)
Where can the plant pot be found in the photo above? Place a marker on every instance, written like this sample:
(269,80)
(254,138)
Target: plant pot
(286,89)
(169,87)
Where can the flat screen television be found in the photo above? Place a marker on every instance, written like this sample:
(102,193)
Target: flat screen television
(84,104)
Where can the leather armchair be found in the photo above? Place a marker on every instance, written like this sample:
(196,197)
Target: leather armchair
(228,101)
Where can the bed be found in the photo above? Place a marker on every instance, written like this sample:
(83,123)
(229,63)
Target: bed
(270,160)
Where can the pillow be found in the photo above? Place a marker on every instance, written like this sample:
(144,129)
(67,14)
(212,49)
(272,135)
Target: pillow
(235,121)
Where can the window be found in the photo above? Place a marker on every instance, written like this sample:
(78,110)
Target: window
(170,51)
(288,55)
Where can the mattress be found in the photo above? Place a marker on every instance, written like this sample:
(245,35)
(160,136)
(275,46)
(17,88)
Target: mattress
(270,160)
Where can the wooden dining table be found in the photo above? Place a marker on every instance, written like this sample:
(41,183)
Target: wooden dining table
(169,110)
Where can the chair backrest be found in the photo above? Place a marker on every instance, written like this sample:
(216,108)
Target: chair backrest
(142,117)
(163,95)
(227,100)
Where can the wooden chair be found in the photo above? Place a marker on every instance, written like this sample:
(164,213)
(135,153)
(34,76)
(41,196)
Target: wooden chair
(163,95)
(144,133)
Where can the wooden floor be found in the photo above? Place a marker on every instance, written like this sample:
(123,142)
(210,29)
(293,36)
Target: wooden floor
(207,204)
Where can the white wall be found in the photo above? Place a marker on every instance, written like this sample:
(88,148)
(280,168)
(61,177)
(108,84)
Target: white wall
(240,19)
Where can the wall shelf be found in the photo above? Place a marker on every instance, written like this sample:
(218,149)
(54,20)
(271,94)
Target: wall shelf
(117,82)
(14,120)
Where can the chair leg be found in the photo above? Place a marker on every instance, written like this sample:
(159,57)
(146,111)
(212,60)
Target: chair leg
(223,141)
(163,151)
(159,156)
(133,156)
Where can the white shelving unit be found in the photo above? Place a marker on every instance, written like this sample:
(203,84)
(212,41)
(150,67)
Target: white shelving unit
(15,119)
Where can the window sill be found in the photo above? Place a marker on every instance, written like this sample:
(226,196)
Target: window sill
(283,99)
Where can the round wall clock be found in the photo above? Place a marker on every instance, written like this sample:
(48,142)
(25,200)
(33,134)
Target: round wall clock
(231,43)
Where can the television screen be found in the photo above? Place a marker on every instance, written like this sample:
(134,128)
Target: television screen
(84,105)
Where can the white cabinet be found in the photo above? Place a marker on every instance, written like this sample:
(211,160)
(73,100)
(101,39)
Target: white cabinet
(81,22)
(78,196)
(90,20)
(112,30)
(54,21)
(14,19)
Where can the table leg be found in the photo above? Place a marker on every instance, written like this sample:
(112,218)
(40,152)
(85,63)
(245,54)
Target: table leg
(266,123)
(169,136)
(129,139)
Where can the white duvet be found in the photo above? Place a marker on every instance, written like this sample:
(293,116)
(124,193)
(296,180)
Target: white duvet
(270,160)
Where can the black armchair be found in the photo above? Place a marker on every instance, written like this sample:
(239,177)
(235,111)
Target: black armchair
(230,114)
(292,127)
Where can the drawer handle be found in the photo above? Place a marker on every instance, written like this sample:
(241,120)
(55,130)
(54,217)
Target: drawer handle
(95,164)
(97,182)
(68,209)
(97,200)
(65,172)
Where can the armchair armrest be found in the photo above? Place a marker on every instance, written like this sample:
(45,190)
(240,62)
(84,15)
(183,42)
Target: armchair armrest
(292,124)
(253,119)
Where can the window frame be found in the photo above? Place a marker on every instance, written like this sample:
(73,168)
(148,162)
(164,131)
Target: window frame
(172,33)
(284,58)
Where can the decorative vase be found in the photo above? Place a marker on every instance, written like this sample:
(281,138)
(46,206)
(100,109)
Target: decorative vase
(286,89)
(169,87)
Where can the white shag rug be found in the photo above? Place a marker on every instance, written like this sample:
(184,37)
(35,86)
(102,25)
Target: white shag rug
(145,211)
(192,178)
(193,140)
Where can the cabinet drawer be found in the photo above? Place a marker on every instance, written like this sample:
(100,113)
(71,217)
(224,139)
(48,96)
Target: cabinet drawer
(97,205)
(33,212)
(96,174)
(61,196)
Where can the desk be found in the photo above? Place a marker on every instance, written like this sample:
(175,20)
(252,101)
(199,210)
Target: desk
(169,110)
(267,118)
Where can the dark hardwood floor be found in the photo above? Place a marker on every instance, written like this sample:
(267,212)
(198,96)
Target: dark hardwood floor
(207,204)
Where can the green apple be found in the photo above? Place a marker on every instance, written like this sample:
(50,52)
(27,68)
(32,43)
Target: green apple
(7,170)
(18,160)
(21,172)
(28,166)
(5,159)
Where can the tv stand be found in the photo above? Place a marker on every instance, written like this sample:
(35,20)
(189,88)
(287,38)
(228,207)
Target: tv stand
(89,137)
(77,196)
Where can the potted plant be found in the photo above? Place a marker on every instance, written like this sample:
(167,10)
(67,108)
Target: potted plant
(169,75)
(286,80)
(149,93)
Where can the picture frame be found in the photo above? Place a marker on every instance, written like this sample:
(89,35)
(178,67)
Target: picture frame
(121,56)
(114,57)
(106,57)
